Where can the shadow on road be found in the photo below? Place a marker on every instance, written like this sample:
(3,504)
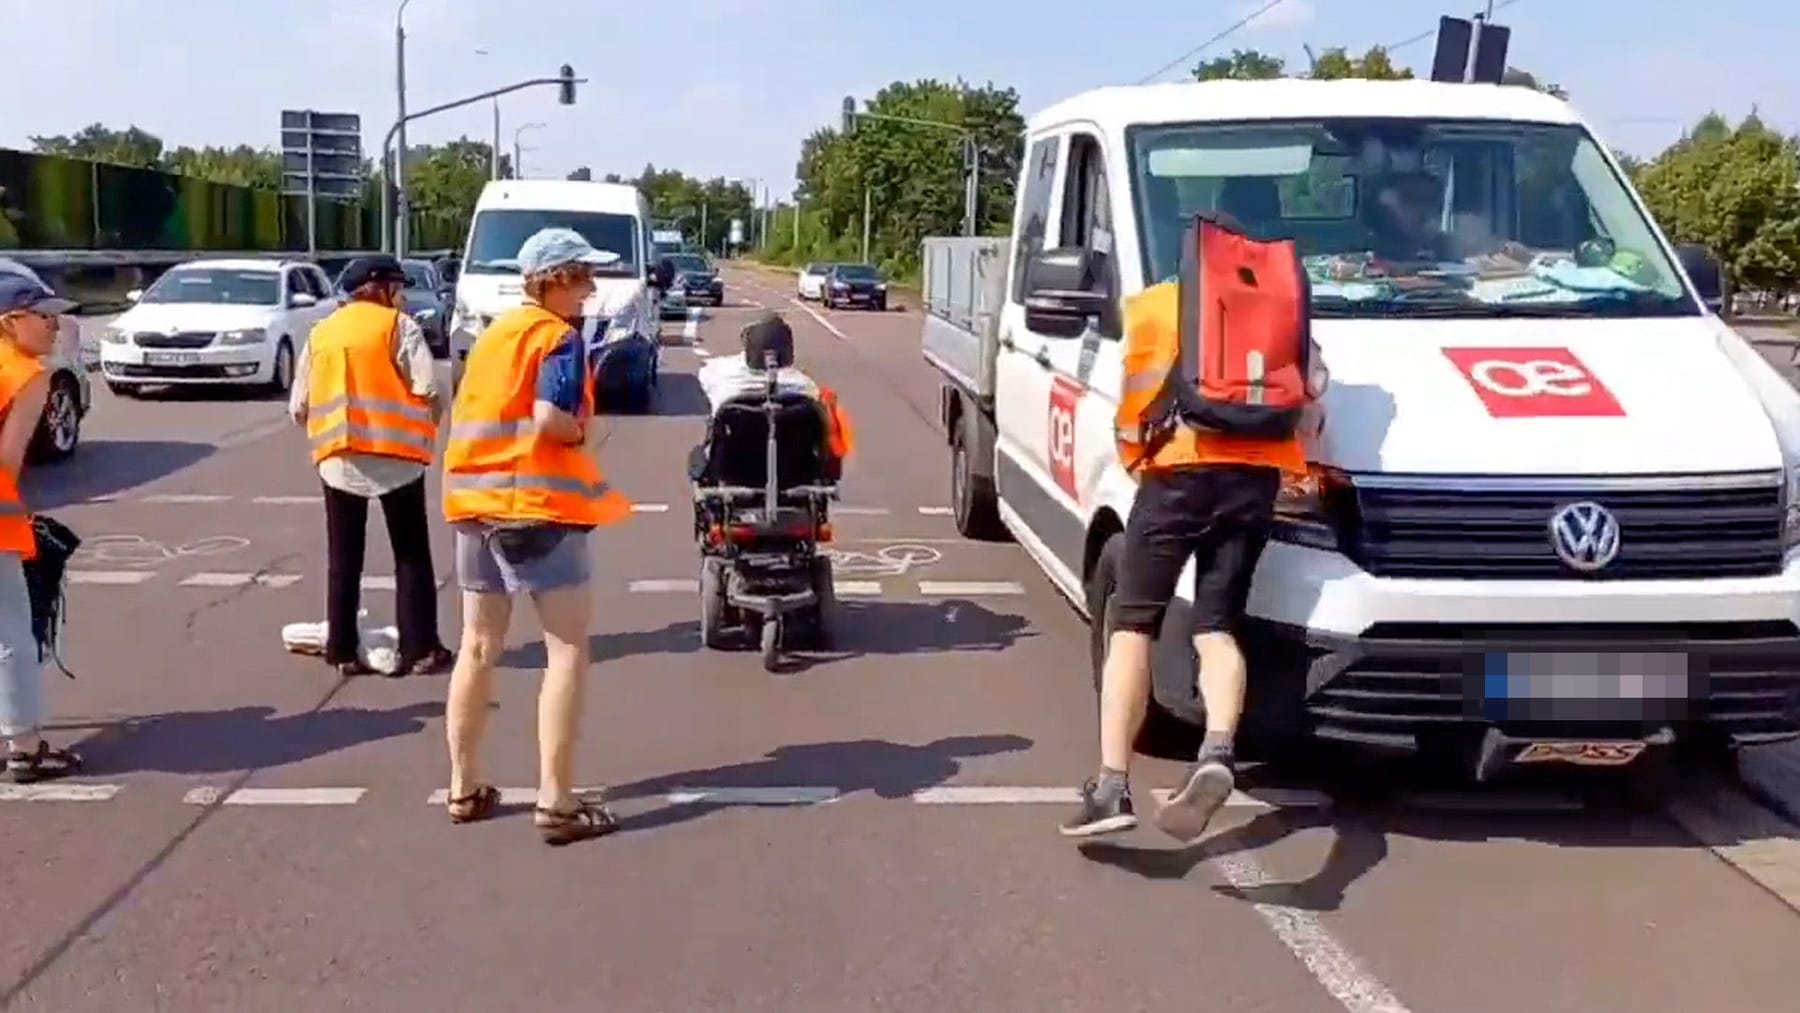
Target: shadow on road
(243,738)
(887,770)
(675,638)
(1371,802)
(105,467)
(862,629)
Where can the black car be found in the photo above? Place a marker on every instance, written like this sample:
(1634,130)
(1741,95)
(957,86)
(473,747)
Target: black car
(854,285)
(428,297)
(698,278)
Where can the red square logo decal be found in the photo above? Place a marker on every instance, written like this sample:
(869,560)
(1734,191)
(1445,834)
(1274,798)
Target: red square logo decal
(1531,383)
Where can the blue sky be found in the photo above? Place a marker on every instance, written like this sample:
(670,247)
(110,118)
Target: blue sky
(730,87)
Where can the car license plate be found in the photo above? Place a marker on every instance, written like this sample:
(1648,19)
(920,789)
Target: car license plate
(171,358)
(1603,676)
(1582,754)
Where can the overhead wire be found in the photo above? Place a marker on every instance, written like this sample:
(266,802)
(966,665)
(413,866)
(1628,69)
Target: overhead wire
(1432,31)
(1220,37)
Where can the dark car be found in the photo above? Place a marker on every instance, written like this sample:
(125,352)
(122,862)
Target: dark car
(428,297)
(854,285)
(696,276)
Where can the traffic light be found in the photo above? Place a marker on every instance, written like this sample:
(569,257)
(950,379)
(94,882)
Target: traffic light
(566,90)
(849,115)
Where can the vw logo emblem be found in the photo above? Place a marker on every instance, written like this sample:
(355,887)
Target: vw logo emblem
(1585,536)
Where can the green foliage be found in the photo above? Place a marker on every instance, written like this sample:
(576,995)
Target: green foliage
(913,175)
(680,201)
(1734,191)
(444,181)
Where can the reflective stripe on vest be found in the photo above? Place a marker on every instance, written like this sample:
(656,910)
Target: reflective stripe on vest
(497,465)
(359,402)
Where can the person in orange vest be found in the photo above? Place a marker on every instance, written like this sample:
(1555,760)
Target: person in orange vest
(1203,494)
(524,494)
(28,328)
(366,391)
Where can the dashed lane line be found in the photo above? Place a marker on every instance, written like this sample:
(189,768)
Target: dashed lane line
(185,497)
(208,795)
(677,586)
(210,579)
(287,500)
(969,588)
(194,498)
(926,588)
(124,578)
(65,792)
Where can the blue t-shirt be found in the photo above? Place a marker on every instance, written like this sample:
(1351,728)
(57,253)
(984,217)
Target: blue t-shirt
(562,377)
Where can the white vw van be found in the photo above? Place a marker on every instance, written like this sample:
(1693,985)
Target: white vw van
(621,323)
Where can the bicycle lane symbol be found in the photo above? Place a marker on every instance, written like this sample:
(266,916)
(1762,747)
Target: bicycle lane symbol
(137,552)
(895,560)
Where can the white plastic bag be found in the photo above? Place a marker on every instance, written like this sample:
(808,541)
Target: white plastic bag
(378,645)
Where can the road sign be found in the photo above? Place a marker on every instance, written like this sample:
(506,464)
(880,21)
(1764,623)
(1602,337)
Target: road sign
(321,159)
(1455,38)
(737,232)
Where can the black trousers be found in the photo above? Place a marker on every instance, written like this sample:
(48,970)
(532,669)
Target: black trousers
(415,584)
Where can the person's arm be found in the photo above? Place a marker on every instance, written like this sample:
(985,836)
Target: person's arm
(22,422)
(562,390)
(298,398)
(412,356)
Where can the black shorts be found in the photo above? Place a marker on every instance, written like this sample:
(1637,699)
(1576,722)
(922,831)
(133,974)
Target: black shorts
(1219,514)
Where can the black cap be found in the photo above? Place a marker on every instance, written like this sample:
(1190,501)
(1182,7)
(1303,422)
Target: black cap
(768,333)
(371,270)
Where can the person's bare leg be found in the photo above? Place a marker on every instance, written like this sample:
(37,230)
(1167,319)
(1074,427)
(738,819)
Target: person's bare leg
(1222,681)
(564,613)
(1210,782)
(1124,696)
(485,618)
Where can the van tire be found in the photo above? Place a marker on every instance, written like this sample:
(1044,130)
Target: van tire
(972,498)
(1163,734)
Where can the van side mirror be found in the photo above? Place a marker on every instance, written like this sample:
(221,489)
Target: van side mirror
(1063,293)
(1704,271)
(134,295)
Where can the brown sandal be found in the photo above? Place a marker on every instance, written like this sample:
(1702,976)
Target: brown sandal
(476,806)
(586,821)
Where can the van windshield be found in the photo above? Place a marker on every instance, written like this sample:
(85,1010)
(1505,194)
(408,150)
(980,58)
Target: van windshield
(499,232)
(1413,217)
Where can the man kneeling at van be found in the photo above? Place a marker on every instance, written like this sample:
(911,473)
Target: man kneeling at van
(1210,438)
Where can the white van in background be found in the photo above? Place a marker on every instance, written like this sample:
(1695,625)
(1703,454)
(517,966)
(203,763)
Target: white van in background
(620,323)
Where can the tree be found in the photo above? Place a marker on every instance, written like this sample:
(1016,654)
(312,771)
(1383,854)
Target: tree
(1525,79)
(1241,65)
(1736,191)
(683,202)
(97,142)
(1375,65)
(239,166)
(445,180)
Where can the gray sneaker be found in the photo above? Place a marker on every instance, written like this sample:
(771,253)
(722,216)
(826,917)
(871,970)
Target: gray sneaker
(1208,785)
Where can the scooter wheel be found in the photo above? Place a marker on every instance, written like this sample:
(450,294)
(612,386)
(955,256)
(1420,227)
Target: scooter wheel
(771,637)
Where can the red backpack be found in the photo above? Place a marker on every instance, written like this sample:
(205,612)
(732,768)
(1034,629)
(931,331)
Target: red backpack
(1245,333)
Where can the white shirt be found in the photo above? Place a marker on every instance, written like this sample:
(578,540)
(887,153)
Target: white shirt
(729,377)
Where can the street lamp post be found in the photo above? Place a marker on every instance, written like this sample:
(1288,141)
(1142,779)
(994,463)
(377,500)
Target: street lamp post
(518,152)
(399,167)
(494,148)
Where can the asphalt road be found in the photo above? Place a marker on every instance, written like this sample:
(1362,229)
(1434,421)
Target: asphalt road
(875,830)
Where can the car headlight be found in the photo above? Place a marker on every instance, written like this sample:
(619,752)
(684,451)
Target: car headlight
(115,336)
(622,324)
(428,313)
(881,286)
(1302,514)
(247,336)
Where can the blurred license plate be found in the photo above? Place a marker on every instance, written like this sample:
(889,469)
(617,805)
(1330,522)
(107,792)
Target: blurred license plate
(171,358)
(1568,676)
(1581,754)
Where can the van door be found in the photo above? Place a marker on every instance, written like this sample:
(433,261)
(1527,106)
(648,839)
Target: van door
(1035,415)
(1085,370)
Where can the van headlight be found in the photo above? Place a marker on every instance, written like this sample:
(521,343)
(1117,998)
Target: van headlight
(1302,511)
(622,324)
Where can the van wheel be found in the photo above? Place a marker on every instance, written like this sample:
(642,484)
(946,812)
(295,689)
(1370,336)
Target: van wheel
(1163,734)
(59,430)
(972,498)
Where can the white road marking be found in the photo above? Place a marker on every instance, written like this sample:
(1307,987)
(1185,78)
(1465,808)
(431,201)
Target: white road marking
(798,795)
(126,577)
(700,353)
(1268,798)
(184,497)
(103,498)
(936,511)
(690,328)
(58,792)
(828,325)
(379,583)
(664,586)
(1758,843)
(857,588)
(958,588)
(861,511)
(649,508)
(210,579)
(1333,966)
(276,796)
(288,500)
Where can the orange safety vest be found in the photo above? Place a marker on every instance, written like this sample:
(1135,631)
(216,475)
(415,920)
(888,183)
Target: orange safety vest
(357,400)
(840,439)
(16,370)
(496,466)
(1152,335)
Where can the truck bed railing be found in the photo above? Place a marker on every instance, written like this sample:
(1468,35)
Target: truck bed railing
(964,280)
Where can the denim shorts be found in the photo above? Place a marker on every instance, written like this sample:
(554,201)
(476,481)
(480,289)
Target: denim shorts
(21,673)
(482,566)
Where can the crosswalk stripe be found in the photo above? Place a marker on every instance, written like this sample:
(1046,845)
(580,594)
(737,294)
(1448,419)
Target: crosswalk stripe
(287,500)
(208,795)
(664,586)
(184,497)
(58,792)
(209,579)
(972,588)
(119,577)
